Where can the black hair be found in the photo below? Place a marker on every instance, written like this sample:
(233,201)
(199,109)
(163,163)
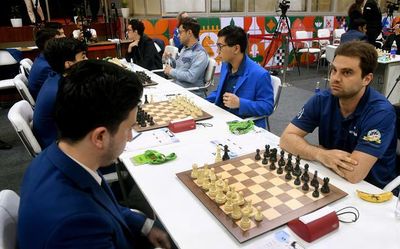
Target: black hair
(234,35)
(192,24)
(95,93)
(60,50)
(137,25)
(43,35)
(53,25)
(357,23)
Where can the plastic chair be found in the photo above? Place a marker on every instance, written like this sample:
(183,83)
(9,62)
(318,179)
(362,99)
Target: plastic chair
(25,66)
(171,50)
(171,42)
(337,33)
(277,88)
(306,46)
(208,76)
(21,83)
(9,205)
(20,116)
(322,33)
(396,181)
(6,58)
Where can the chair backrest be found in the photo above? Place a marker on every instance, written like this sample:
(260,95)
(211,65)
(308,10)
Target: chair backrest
(324,33)
(210,72)
(160,46)
(337,33)
(20,116)
(25,66)
(171,42)
(21,83)
(172,50)
(330,53)
(277,87)
(6,58)
(301,34)
(9,205)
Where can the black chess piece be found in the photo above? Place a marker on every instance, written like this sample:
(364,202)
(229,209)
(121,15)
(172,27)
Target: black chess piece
(305,176)
(305,186)
(281,162)
(325,187)
(266,151)
(265,160)
(297,180)
(288,175)
(288,166)
(297,170)
(298,159)
(282,153)
(152,121)
(257,157)
(143,122)
(226,155)
(314,181)
(315,193)
(280,169)
(272,166)
(145,99)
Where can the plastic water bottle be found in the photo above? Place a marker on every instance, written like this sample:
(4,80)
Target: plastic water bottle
(397,210)
(393,52)
(317,89)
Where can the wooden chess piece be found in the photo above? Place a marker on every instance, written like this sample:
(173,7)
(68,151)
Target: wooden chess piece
(258,216)
(226,155)
(195,171)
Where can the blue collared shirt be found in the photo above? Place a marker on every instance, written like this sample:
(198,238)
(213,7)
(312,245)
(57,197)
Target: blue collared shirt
(369,129)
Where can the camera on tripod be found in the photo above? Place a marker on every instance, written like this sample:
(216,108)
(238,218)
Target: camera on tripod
(392,6)
(284,6)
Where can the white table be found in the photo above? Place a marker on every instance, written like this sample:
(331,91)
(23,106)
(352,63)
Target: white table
(385,77)
(192,226)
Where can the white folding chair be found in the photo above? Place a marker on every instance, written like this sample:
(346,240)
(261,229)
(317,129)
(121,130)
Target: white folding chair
(171,50)
(322,33)
(277,88)
(396,181)
(25,66)
(337,33)
(5,60)
(20,116)
(330,54)
(171,42)
(306,46)
(21,83)
(208,76)
(9,205)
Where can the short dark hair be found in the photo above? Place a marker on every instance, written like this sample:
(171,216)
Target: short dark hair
(234,35)
(180,17)
(137,25)
(357,23)
(192,24)
(60,50)
(95,93)
(53,25)
(362,50)
(43,35)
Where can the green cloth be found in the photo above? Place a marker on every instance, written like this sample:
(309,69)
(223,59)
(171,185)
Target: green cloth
(152,157)
(241,127)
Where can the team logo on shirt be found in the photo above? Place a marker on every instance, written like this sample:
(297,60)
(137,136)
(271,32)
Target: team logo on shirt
(373,136)
(300,114)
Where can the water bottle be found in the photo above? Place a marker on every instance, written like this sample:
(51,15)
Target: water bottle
(397,210)
(393,51)
(317,89)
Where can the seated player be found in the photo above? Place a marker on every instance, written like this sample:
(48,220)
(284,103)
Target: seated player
(56,25)
(61,54)
(177,42)
(142,50)
(40,68)
(84,32)
(65,201)
(357,32)
(393,36)
(191,63)
(245,87)
(356,124)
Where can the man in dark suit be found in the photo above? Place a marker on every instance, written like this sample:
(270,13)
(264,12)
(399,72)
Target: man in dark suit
(65,202)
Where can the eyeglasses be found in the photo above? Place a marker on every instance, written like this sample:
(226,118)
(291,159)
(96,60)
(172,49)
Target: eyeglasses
(181,31)
(220,45)
(129,30)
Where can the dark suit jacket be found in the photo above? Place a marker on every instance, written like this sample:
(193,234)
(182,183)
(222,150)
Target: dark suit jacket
(254,89)
(145,54)
(62,206)
(38,75)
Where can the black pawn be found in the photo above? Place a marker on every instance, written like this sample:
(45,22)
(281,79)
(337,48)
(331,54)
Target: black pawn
(280,170)
(297,180)
(266,151)
(226,155)
(265,160)
(297,170)
(289,166)
(325,187)
(305,186)
(315,193)
(272,166)
(151,121)
(288,175)
(257,157)
(314,181)
(281,162)
(297,159)
(305,176)
(143,123)
(145,99)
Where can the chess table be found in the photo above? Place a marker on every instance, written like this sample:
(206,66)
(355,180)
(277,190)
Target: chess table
(280,200)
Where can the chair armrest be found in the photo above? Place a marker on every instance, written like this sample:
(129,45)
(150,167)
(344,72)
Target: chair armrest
(157,70)
(393,184)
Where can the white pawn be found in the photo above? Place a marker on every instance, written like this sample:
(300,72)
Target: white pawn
(218,157)
(258,216)
(206,184)
(228,207)
(220,198)
(213,176)
(195,171)
(236,213)
(206,171)
(200,177)
(240,200)
(226,185)
(212,190)
(245,221)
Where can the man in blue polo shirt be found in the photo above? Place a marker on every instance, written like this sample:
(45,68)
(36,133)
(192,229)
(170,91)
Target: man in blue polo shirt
(357,133)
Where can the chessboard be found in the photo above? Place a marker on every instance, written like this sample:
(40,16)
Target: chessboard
(154,115)
(250,197)
(145,79)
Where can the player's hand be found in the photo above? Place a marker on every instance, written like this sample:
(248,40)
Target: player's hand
(159,238)
(168,69)
(132,44)
(338,160)
(230,100)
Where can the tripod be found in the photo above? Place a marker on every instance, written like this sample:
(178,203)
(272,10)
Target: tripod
(278,32)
